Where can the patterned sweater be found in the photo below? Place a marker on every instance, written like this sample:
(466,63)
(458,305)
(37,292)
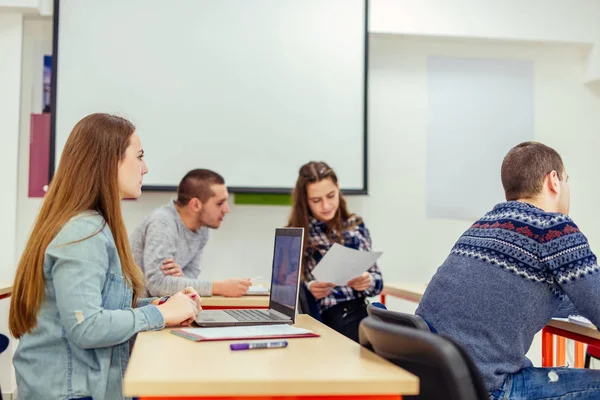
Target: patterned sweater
(505,278)
(356,236)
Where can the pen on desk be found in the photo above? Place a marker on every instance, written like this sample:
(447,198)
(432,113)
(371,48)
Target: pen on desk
(333,290)
(259,345)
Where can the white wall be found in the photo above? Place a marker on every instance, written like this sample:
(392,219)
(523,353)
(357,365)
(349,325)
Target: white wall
(555,21)
(11,30)
(22,5)
(28,7)
(37,41)
(574,21)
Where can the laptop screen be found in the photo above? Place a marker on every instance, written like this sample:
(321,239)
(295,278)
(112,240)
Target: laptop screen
(286,270)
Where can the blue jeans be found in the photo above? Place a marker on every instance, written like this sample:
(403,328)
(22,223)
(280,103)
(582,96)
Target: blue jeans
(550,384)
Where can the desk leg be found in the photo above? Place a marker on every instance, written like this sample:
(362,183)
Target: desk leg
(561,351)
(578,355)
(547,349)
(382,297)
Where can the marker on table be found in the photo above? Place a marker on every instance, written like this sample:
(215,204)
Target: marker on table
(259,345)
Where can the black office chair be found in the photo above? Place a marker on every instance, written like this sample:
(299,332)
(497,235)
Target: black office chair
(445,371)
(3,346)
(398,318)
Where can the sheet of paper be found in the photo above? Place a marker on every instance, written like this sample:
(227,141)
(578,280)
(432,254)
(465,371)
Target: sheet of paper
(246,331)
(579,320)
(341,264)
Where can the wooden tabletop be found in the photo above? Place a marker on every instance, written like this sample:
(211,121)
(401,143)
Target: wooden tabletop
(238,302)
(253,301)
(574,328)
(407,291)
(163,364)
(5,287)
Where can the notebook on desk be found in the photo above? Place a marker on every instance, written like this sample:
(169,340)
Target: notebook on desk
(244,332)
(257,291)
(285,284)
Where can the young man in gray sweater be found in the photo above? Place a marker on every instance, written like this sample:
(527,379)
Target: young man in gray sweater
(168,244)
(510,273)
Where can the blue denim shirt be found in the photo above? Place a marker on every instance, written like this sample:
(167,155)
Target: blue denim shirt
(80,346)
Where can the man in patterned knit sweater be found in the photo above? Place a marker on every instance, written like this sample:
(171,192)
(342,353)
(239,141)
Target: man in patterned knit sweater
(509,274)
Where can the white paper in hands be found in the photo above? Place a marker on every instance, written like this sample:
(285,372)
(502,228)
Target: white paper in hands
(340,264)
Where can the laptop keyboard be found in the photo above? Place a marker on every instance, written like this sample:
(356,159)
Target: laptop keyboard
(252,315)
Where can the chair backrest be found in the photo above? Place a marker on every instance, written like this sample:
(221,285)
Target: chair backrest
(476,377)
(398,318)
(3,343)
(307,304)
(3,346)
(438,362)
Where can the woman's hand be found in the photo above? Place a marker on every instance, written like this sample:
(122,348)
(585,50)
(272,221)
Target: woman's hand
(179,309)
(320,289)
(361,282)
(192,294)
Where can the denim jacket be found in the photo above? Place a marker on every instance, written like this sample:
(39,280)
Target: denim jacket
(80,346)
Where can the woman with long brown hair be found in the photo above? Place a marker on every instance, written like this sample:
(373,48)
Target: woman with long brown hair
(319,208)
(75,304)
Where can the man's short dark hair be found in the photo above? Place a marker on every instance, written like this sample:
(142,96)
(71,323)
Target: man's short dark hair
(196,184)
(525,167)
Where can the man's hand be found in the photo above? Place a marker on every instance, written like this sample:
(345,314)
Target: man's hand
(231,287)
(170,267)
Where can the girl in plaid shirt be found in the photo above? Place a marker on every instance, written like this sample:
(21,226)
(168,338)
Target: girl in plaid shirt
(321,210)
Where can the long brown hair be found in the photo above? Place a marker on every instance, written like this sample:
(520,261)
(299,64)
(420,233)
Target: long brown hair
(86,179)
(313,172)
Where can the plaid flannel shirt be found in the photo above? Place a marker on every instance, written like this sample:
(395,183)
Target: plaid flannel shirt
(355,236)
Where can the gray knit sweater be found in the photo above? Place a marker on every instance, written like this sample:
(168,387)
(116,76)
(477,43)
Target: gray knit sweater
(163,235)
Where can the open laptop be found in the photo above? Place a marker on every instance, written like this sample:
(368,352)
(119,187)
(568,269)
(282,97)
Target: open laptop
(285,285)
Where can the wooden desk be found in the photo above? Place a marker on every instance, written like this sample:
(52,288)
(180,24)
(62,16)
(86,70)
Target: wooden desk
(575,332)
(163,364)
(563,329)
(221,302)
(407,291)
(5,288)
(229,303)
